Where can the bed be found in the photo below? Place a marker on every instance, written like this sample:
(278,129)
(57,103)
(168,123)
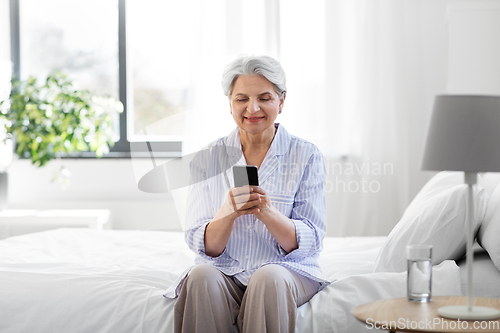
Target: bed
(83,280)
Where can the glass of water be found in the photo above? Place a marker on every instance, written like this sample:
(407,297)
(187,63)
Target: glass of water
(419,279)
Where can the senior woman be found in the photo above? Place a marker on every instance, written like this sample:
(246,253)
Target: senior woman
(257,246)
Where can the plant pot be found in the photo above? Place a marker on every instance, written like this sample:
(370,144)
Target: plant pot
(3,190)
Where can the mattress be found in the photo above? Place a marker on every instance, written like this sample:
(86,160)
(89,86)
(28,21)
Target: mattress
(82,280)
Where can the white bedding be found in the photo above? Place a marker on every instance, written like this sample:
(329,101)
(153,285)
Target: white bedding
(82,280)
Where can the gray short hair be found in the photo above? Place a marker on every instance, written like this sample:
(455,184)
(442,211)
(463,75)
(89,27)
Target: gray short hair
(254,65)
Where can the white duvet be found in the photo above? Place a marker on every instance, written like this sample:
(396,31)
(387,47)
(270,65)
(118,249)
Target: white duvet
(81,280)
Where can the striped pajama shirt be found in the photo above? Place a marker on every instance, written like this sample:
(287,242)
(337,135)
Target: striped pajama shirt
(293,173)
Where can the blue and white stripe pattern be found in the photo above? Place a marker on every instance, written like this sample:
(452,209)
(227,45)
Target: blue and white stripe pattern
(293,173)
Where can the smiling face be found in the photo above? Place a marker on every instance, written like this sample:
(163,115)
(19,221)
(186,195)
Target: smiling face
(254,104)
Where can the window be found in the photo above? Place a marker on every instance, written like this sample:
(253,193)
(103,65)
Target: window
(53,38)
(160,48)
(88,41)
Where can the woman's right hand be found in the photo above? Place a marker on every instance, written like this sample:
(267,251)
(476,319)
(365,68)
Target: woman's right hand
(242,200)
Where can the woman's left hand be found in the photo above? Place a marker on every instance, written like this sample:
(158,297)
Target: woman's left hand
(265,206)
(280,226)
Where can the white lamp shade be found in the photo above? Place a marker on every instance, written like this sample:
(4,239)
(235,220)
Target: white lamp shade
(464,134)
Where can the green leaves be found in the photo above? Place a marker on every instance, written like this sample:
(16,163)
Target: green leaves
(51,118)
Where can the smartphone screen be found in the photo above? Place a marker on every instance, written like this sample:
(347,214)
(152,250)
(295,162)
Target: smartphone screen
(245,175)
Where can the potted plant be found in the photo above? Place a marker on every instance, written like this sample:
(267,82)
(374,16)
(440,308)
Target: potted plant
(52,119)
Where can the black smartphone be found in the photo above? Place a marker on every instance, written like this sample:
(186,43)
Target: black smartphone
(245,175)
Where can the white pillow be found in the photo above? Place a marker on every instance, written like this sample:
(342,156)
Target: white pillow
(437,217)
(489,232)
(490,183)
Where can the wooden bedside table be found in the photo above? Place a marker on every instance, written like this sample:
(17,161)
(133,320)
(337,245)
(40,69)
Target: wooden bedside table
(15,222)
(401,315)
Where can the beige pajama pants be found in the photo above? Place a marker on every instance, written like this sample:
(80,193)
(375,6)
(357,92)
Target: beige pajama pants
(211,301)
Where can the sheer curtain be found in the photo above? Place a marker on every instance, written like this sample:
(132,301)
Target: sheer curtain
(226,29)
(353,77)
(377,89)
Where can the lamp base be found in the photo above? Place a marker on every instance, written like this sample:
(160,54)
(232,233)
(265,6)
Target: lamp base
(461,312)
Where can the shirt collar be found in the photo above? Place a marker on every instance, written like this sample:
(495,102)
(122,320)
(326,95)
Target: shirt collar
(279,146)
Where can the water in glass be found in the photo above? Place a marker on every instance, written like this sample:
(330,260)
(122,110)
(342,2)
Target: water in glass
(419,280)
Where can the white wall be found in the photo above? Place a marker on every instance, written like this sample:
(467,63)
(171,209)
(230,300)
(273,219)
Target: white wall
(460,54)
(105,183)
(474,48)
(437,76)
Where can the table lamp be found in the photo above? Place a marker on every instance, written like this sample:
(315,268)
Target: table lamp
(464,135)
